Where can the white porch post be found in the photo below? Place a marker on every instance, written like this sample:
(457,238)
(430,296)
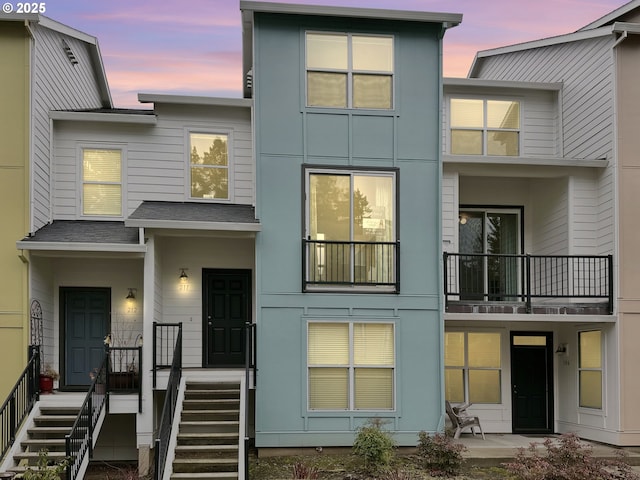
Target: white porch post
(144,420)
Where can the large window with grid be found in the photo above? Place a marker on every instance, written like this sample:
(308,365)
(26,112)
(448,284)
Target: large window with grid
(472,367)
(209,165)
(101,182)
(484,127)
(590,368)
(349,70)
(351,366)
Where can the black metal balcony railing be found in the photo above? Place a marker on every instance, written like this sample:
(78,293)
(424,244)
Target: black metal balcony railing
(161,444)
(124,371)
(330,263)
(521,278)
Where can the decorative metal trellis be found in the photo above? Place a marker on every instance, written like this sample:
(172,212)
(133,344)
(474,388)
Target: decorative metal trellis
(36,323)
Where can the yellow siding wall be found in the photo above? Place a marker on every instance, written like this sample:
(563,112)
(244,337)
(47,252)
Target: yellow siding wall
(14,194)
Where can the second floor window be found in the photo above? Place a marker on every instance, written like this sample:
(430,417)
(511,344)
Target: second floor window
(351,228)
(209,166)
(349,71)
(101,182)
(485,127)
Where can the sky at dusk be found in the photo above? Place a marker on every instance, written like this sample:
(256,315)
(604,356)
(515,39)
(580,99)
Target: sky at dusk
(193,47)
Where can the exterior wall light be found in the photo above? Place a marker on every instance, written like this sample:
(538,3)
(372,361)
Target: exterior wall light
(183,275)
(132,294)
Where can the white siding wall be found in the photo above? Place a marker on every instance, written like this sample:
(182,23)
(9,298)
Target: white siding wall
(157,157)
(41,277)
(184,305)
(586,70)
(549,217)
(449,211)
(57,85)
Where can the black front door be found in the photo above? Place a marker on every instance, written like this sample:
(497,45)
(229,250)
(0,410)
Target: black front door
(532,382)
(226,309)
(85,322)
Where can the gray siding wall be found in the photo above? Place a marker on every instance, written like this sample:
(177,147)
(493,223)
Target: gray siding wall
(57,85)
(156,156)
(586,68)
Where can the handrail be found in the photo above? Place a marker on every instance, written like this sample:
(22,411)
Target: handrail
(124,372)
(513,277)
(169,408)
(79,441)
(250,363)
(23,396)
(163,346)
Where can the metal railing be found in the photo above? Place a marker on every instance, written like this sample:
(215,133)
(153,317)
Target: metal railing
(328,263)
(521,278)
(168,410)
(124,374)
(79,441)
(250,364)
(20,401)
(164,342)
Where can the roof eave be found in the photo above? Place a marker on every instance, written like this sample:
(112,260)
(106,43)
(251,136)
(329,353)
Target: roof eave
(193,225)
(195,100)
(544,42)
(81,246)
(480,82)
(128,118)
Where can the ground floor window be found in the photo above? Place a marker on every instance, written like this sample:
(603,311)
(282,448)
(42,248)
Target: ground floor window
(590,368)
(472,367)
(351,366)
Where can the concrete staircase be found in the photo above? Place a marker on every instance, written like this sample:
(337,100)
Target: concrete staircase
(209,432)
(47,432)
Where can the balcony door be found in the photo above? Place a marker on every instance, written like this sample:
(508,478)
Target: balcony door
(483,234)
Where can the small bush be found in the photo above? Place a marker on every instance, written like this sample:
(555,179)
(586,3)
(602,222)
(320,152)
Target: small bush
(47,469)
(441,456)
(375,446)
(302,471)
(567,459)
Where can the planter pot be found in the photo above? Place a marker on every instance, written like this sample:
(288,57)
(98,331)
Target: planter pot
(46,384)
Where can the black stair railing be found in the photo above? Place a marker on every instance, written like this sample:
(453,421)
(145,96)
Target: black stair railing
(20,401)
(250,364)
(79,441)
(164,344)
(168,410)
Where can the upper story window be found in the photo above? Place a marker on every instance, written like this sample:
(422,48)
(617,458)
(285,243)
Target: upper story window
(351,228)
(101,182)
(349,71)
(209,165)
(485,127)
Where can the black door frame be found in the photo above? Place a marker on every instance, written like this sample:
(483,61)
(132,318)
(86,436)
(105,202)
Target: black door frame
(549,376)
(204,326)
(62,291)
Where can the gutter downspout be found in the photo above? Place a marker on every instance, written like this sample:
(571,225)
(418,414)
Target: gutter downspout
(622,38)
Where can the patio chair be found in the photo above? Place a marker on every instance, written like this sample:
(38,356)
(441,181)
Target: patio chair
(462,420)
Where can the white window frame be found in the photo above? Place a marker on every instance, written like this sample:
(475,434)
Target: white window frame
(465,368)
(602,371)
(484,128)
(351,367)
(80,178)
(230,163)
(350,70)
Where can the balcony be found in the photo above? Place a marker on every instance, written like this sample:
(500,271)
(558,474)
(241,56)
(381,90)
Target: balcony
(335,265)
(489,283)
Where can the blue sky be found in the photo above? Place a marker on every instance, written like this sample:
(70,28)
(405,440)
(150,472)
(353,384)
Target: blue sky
(193,47)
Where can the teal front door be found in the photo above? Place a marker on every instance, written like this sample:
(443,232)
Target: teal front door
(85,314)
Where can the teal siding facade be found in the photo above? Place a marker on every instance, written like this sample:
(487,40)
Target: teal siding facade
(406,138)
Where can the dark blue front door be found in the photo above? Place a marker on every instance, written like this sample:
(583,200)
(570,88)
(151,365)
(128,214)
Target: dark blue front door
(86,322)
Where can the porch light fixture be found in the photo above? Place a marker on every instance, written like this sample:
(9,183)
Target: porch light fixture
(183,275)
(132,294)
(462,219)
(561,349)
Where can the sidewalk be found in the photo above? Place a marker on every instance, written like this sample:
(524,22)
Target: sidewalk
(499,448)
